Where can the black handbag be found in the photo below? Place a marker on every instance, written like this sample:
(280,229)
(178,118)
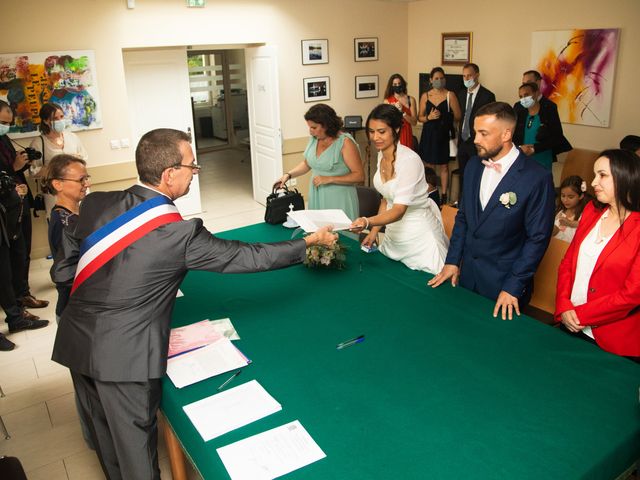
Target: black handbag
(278,204)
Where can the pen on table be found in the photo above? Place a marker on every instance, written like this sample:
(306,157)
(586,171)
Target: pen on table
(348,343)
(229,379)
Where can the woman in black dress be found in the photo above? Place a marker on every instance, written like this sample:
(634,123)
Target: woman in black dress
(438,111)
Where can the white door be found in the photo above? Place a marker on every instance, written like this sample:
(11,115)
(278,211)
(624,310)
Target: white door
(159,97)
(264,119)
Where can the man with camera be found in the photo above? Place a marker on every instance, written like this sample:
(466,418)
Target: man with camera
(15,227)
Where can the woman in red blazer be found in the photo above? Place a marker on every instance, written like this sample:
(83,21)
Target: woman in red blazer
(599,276)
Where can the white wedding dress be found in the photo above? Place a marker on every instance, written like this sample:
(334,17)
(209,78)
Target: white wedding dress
(417,239)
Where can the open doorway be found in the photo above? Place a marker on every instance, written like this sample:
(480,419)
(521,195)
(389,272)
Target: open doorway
(218,86)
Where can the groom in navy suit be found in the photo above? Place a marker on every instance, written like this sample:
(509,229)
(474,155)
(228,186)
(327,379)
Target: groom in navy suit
(505,219)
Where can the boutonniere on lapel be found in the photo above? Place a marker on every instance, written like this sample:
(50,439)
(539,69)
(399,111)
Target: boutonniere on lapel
(508,199)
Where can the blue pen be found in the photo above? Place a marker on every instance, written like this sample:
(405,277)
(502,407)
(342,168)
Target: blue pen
(348,343)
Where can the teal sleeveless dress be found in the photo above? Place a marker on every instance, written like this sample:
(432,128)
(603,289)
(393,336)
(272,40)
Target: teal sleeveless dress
(331,164)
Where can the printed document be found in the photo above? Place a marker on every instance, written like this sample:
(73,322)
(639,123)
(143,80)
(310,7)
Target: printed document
(270,454)
(190,337)
(234,408)
(214,359)
(312,220)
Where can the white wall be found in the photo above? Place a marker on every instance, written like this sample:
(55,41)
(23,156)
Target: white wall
(502,48)
(108,27)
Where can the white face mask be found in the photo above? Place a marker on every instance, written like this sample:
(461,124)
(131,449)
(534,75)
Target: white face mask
(527,102)
(4,129)
(469,83)
(59,125)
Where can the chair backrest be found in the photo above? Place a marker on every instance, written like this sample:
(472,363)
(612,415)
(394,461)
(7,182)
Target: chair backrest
(580,162)
(368,200)
(545,280)
(448,218)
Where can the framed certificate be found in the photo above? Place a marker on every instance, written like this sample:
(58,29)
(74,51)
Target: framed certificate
(456,48)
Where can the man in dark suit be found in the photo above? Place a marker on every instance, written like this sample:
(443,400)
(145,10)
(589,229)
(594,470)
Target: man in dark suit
(114,333)
(471,98)
(505,219)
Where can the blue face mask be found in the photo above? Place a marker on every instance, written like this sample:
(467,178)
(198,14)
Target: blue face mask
(527,102)
(4,129)
(59,125)
(469,83)
(439,83)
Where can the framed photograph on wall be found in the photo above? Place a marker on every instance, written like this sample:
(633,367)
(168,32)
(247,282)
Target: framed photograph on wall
(456,48)
(315,51)
(316,89)
(365,49)
(367,86)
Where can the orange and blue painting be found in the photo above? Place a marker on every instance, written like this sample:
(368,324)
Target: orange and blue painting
(29,80)
(578,68)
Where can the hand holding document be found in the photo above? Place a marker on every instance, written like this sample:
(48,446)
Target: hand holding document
(214,359)
(270,454)
(234,408)
(312,220)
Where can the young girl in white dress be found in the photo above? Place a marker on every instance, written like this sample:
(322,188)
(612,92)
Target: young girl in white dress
(572,201)
(414,233)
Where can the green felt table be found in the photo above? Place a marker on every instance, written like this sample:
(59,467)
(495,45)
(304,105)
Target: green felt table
(439,389)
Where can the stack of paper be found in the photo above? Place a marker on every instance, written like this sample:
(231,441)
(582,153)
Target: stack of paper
(270,454)
(192,336)
(312,220)
(221,413)
(214,359)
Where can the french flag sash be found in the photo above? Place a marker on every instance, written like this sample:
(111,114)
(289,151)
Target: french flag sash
(112,238)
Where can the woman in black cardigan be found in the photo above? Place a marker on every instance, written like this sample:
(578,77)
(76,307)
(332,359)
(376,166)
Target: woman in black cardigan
(538,130)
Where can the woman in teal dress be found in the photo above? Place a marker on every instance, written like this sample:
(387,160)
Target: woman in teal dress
(333,158)
(538,130)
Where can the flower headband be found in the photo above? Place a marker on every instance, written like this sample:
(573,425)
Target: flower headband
(583,186)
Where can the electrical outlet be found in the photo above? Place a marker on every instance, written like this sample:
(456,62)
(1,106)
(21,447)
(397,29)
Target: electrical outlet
(293,182)
(124,143)
(115,144)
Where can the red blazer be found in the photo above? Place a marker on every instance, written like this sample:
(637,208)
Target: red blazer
(613,299)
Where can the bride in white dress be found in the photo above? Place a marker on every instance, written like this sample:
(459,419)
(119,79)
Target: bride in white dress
(414,233)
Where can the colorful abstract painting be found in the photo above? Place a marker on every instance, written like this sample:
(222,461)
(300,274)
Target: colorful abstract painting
(29,80)
(578,68)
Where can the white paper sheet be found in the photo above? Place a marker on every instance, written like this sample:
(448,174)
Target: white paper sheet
(205,362)
(221,413)
(270,454)
(179,294)
(226,328)
(312,220)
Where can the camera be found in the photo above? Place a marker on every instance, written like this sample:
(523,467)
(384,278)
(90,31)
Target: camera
(32,154)
(7,184)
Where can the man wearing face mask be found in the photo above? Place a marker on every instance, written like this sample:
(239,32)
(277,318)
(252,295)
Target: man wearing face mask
(538,130)
(471,98)
(54,139)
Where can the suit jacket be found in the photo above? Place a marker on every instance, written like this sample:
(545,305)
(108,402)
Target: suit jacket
(116,325)
(483,97)
(499,248)
(613,298)
(550,135)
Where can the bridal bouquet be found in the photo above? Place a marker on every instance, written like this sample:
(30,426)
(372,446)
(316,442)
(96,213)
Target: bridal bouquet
(326,257)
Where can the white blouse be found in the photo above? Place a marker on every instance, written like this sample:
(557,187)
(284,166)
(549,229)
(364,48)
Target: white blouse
(590,249)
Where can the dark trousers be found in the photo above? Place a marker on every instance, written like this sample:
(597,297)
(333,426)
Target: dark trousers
(121,417)
(11,278)
(466,150)
(27,229)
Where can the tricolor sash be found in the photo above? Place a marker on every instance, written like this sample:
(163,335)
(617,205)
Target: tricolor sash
(113,237)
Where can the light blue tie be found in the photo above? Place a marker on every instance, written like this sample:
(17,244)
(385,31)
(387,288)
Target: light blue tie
(466,131)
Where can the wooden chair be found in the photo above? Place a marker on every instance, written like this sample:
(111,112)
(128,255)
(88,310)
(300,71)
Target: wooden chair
(545,280)
(580,162)
(448,218)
